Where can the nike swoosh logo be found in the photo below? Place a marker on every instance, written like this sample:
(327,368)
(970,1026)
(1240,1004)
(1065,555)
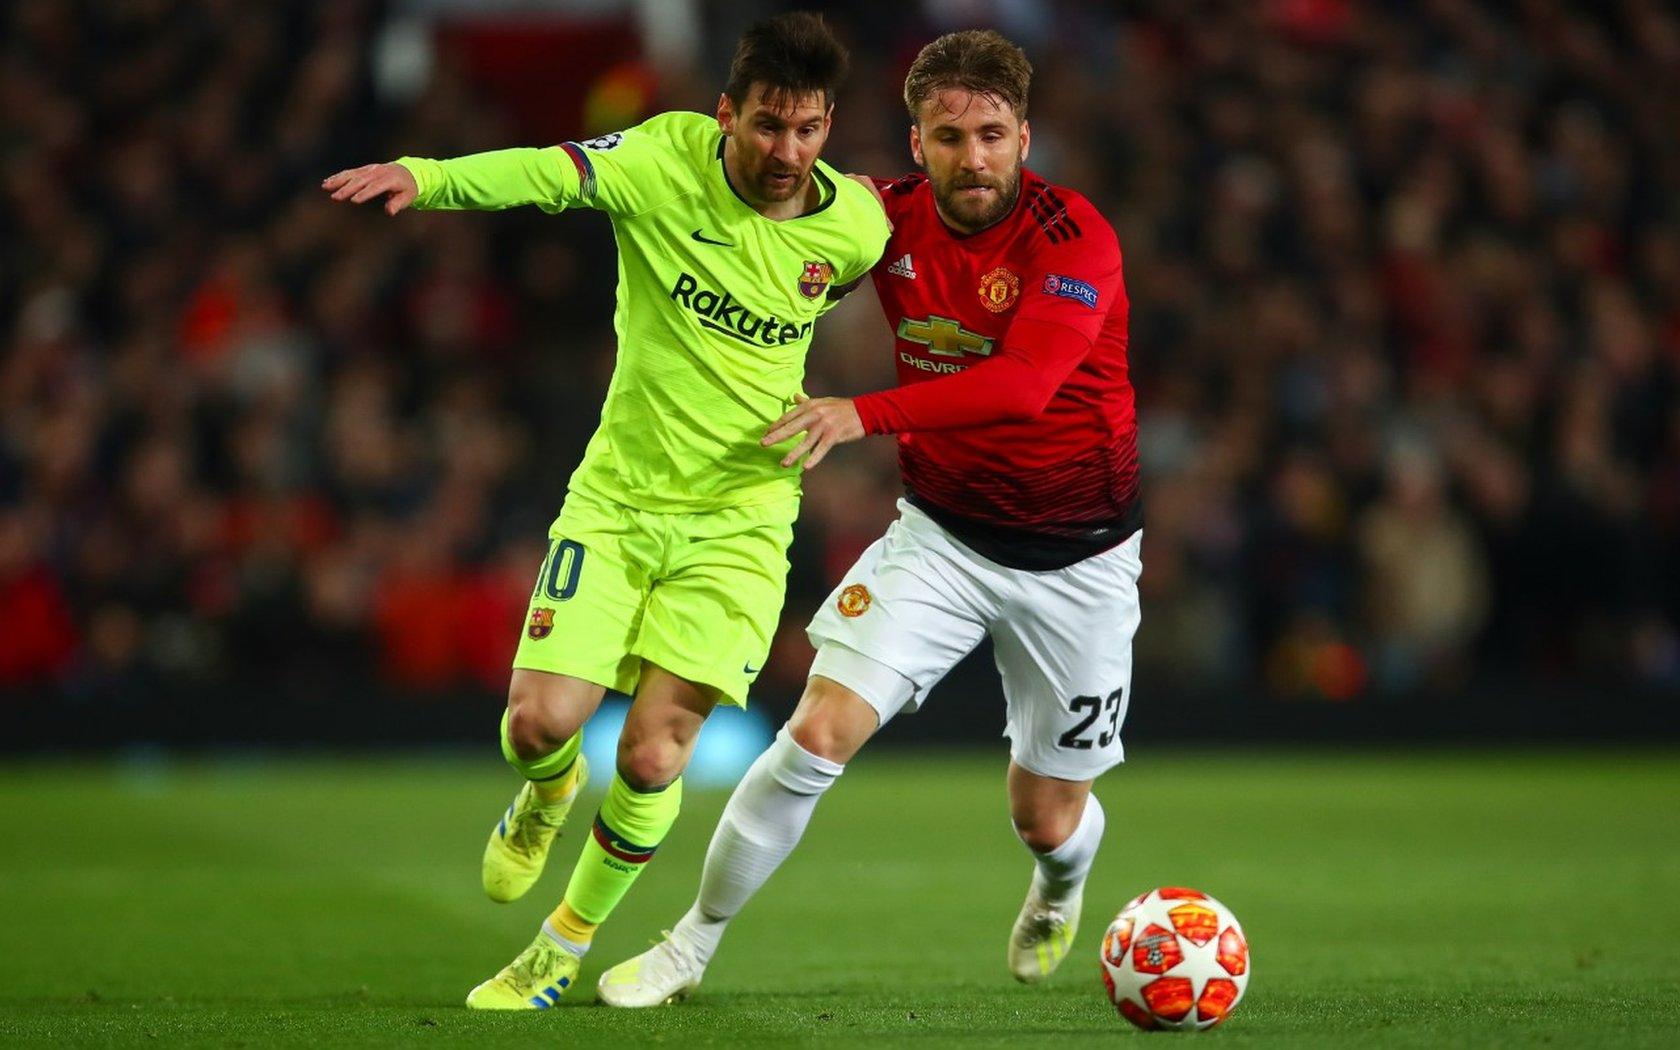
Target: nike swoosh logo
(703,239)
(748,668)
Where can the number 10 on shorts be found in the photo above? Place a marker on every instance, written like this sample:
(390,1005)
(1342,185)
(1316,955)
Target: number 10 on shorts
(1078,738)
(558,578)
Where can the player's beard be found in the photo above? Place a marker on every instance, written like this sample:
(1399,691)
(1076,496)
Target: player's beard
(975,215)
(771,190)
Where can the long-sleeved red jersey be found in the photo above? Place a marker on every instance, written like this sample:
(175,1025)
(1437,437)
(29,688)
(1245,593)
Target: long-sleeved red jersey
(1015,418)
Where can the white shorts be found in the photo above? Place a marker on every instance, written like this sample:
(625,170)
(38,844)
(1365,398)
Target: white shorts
(918,601)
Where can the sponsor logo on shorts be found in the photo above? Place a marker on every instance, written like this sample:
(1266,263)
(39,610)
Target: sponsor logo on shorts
(999,289)
(854,600)
(541,625)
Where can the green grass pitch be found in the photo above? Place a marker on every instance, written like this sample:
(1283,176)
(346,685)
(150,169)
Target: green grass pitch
(1392,899)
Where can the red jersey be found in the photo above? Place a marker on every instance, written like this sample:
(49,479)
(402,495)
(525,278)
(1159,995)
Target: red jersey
(1015,417)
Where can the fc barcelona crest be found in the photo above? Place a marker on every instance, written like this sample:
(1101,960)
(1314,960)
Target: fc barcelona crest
(999,289)
(814,281)
(541,625)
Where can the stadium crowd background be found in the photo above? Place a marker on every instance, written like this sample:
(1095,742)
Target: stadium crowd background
(1405,286)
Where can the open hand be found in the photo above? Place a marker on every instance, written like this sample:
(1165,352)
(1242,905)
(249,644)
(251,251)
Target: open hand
(826,421)
(360,185)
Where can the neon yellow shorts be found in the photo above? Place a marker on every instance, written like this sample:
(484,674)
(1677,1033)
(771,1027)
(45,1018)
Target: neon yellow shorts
(698,594)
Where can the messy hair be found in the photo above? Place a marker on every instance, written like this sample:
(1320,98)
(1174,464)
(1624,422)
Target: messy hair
(792,55)
(979,61)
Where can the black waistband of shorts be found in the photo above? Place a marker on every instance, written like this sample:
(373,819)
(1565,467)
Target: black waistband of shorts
(1035,550)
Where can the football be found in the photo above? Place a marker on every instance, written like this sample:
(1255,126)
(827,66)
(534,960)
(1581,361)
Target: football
(1175,958)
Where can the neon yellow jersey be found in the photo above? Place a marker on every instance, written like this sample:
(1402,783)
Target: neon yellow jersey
(715,302)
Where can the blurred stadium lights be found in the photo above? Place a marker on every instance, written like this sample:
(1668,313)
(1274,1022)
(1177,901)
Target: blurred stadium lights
(669,33)
(731,738)
(1027,22)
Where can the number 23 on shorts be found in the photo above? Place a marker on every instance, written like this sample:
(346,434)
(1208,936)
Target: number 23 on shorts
(1078,738)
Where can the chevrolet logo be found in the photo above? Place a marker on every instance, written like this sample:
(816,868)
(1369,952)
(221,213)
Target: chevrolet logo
(944,337)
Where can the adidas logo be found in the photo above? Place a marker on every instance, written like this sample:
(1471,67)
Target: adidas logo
(903,267)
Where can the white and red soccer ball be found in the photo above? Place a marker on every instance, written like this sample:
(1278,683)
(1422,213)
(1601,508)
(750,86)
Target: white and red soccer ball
(1175,958)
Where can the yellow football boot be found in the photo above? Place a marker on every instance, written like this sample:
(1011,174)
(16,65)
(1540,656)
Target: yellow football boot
(534,980)
(518,846)
(1041,938)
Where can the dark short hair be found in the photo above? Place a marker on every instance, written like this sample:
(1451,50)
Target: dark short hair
(794,54)
(979,61)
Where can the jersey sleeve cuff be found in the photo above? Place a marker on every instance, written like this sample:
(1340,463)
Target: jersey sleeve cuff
(869,413)
(426,175)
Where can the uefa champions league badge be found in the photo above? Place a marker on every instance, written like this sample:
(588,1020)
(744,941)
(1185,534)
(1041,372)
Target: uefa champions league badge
(1070,288)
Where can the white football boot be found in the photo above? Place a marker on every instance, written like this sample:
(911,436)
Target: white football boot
(1042,936)
(665,973)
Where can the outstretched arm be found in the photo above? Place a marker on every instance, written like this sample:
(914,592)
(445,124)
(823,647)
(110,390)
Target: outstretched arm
(504,178)
(1075,286)
(1013,387)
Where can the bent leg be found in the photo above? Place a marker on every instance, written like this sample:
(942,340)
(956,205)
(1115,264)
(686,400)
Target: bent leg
(768,813)
(541,728)
(900,619)
(540,739)
(1061,822)
(641,803)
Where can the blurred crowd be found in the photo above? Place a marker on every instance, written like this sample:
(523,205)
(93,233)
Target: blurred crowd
(1405,284)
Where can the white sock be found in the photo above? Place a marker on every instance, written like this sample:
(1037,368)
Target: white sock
(760,826)
(1060,874)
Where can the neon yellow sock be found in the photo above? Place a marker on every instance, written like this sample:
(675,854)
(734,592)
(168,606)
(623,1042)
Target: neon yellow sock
(556,764)
(630,826)
(560,788)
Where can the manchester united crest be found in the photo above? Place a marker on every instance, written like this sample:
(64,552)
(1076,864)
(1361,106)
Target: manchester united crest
(999,290)
(541,624)
(814,281)
(854,600)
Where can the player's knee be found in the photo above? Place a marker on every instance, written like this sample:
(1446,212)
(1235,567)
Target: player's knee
(831,721)
(835,731)
(649,764)
(1045,829)
(821,737)
(536,726)
(527,732)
